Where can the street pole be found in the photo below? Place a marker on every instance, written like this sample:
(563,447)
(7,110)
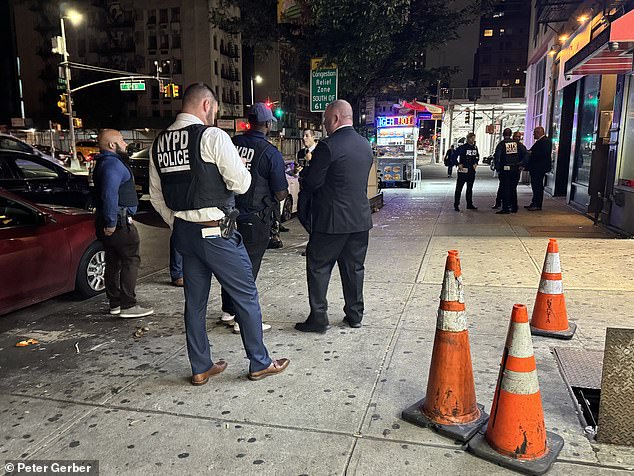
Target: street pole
(74,164)
(252,100)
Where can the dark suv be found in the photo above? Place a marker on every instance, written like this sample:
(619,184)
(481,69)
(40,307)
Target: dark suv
(140,165)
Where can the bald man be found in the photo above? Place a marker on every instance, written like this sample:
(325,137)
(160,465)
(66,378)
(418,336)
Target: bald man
(539,164)
(116,203)
(336,212)
(195,172)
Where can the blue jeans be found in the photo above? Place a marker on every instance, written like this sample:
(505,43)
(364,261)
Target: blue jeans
(229,262)
(176,261)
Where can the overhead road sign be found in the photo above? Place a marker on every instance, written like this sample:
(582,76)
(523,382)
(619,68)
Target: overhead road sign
(132,85)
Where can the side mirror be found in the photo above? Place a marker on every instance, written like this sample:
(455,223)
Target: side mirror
(44,218)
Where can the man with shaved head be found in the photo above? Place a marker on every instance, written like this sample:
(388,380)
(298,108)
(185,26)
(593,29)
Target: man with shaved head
(335,210)
(539,164)
(195,172)
(116,202)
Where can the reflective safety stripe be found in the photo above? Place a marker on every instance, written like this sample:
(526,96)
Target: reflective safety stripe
(452,321)
(522,345)
(452,289)
(547,286)
(552,263)
(520,383)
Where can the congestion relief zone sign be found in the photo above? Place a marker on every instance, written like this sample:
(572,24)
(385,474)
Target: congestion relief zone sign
(323,85)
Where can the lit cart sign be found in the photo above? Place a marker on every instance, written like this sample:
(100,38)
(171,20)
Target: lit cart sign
(395,121)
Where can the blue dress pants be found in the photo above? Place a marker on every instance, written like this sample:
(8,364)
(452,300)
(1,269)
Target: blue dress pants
(176,261)
(227,260)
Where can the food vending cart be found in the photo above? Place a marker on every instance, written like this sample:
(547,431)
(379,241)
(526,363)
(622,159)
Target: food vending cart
(396,138)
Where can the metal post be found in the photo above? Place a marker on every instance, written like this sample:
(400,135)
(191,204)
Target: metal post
(450,107)
(74,162)
(252,99)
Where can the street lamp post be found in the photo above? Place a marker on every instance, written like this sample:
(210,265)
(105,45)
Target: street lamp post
(74,17)
(258,79)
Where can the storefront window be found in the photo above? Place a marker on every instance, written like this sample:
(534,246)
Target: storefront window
(586,129)
(555,128)
(626,162)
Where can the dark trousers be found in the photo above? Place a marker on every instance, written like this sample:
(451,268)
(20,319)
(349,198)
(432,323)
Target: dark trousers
(500,192)
(255,236)
(509,180)
(176,261)
(348,250)
(122,263)
(449,169)
(537,184)
(468,178)
(228,261)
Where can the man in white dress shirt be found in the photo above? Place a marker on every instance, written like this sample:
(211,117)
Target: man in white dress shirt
(195,170)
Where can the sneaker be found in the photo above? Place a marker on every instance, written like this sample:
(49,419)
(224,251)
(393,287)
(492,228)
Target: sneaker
(227,319)
(136,311)
(115,311)
(236,328)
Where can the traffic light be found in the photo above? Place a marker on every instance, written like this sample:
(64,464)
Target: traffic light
(176,91)
(268,103)
(63,103)
(171,90)
(242,125)
(279,113)
(78,123)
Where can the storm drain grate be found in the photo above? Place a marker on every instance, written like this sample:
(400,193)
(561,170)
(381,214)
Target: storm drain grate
(582,370)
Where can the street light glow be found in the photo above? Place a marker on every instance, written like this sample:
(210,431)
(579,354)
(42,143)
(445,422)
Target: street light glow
(74,16)
(582,19)
(258,79)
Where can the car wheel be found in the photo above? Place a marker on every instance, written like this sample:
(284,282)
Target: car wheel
(287,210)
(91,272)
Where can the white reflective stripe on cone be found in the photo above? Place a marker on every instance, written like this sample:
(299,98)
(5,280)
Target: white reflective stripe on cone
(452,289)
(522,345)
(452,321)
(549,286)
(552,263)
(520,383)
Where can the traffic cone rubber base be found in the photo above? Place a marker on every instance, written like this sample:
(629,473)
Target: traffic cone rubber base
(565,335)
(459,432)
(479,447)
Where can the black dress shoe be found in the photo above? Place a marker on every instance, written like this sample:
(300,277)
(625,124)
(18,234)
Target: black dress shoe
(528,206)
(456,207)
(502,212)
(283,229)
(472,208)
(353,324)
(309,327)
(496,206)
(533,209)
(514,211)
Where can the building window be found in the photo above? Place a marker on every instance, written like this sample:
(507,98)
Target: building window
(501,32)
(538,97)
(625,166)
(164,42)
(518,81)
(151,16)
(215,43)
(177,66)
(151,42)
(488,33)
(163,15)
(216,68)
(176,14)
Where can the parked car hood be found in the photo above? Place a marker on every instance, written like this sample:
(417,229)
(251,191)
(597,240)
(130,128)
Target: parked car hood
(64,210)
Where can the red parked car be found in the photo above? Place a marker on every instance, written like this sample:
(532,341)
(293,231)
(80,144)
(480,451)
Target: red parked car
(45,251)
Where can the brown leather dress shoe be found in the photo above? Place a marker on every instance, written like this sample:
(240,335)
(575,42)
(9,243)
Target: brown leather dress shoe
(203,378)
(276,367)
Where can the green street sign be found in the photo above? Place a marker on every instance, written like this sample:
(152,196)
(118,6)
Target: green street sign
(134,85)
(323,85)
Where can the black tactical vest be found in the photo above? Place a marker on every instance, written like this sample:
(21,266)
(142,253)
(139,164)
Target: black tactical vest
(127,190)
(252,151)
(511,155)
(188,182)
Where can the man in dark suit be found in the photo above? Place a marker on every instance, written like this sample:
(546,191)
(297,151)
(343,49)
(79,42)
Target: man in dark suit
(335,210)
(539,164)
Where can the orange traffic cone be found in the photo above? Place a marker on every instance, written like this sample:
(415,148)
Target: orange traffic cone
(550,318)
(516,436)
(450,406)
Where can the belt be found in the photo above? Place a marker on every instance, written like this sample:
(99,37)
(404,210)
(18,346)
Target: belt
(210,222)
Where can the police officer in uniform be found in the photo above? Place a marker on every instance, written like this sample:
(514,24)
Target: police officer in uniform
(467,158)
(195,170)
(116,202)
(258,206)
(510,156)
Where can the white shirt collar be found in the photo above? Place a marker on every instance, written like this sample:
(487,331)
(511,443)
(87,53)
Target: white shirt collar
(341,127)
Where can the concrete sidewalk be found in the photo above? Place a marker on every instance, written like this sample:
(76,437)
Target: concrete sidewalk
(336,410)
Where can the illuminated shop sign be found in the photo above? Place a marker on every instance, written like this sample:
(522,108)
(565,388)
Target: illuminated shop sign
(394,121)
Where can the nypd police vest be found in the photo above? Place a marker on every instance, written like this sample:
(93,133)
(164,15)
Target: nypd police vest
(188,182)
(511,153)
(252,152)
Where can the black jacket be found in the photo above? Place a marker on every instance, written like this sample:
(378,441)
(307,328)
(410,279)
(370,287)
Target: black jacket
(334,188)
(540,159)
(468,156)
